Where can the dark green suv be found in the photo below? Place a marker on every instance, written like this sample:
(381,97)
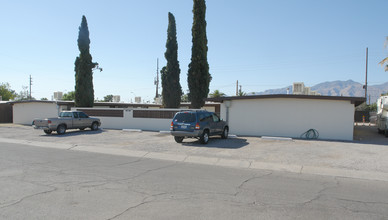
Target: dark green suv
(198,124)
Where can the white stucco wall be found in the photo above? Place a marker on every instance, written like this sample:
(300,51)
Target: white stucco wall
(287,117)
(25,113)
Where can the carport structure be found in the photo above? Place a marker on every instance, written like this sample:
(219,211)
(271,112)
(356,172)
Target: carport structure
(290,115)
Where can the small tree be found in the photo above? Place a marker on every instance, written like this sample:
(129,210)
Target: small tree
(185,98)
(172,90)
(108,98)
(6,92)
(70,96)
(84,92)
(199,78)
(385,61)
(216,94)
(23,95)
(241,93)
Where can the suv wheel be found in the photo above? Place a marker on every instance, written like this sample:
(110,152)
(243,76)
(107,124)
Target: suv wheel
(94,126)
(225,133)
(204,137)
(178,139)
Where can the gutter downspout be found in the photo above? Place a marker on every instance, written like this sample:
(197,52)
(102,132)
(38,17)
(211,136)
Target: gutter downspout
(227,105)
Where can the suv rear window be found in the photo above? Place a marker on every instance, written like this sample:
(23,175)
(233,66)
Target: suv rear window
(185,117)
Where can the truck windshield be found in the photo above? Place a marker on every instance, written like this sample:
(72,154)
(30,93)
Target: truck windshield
(185,117)
(65,114)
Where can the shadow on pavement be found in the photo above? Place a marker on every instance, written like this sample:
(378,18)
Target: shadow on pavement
(70,133)
(364,134)
(230,143)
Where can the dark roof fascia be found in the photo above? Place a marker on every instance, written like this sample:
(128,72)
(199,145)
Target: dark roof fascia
(124,105)
(354,100)
(43,101)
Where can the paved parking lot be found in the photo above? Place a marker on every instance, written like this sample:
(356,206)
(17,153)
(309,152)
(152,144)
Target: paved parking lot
(363,158)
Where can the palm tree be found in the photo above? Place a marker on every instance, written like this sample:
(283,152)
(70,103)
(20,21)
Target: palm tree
(217,94)
(386,59)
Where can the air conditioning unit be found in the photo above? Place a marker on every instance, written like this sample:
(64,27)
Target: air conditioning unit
(58,95)
(137,99)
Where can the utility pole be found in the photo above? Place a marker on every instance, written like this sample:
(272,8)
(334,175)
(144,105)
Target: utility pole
(30,96)
(156,81)
(369,99)
(237,88)
(366,77)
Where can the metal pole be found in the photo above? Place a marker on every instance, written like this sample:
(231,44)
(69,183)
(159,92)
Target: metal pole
(366,76)
(30,96)
(157,78)
(237,88)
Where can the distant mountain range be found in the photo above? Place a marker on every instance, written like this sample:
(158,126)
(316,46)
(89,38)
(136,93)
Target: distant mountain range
(338,88)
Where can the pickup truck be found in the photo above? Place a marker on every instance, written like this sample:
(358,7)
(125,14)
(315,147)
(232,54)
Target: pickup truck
(67,120)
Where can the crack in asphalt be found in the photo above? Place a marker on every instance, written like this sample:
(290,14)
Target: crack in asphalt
(362,202)
(130,208)
(148,171)
(357,211)
(27,197)
(127,163)
(74,146)
(239,187)
(143,202)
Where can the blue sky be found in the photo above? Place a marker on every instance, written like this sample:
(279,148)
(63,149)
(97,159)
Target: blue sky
(262,44)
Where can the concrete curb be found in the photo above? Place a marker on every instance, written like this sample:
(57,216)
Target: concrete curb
(224,162)
(276,138)
(132,130)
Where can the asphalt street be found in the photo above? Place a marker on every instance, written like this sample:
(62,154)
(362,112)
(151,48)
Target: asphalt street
(364,158)
(49,183)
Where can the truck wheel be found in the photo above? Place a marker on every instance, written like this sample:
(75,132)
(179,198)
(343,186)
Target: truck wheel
(48,131)
(225,133)
(94,126)
(178,139)
(204,137)
(61,129)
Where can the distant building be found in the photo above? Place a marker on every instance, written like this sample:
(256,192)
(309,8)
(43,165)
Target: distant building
(58,96)
(116,98)
(138,99)
(298,88)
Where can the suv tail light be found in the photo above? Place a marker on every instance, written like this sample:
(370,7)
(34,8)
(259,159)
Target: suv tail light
(172,126)
(197,127)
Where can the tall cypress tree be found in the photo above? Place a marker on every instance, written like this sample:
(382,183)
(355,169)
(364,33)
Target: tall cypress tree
(198,75)
(172,90)
(84,92)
